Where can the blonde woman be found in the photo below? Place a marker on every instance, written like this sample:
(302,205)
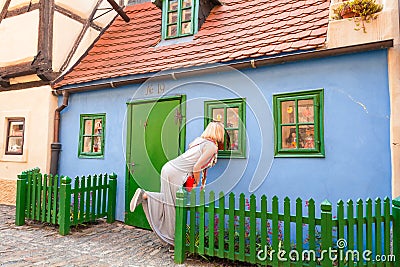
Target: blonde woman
(159,207)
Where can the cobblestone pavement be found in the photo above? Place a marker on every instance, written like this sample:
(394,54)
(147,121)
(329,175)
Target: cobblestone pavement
(102,244)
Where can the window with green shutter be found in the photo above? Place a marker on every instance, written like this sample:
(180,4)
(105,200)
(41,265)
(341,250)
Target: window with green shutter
(178,18)
(232,114)
(299,124)
(91,137)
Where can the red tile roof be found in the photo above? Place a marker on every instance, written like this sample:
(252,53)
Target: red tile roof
(236,30)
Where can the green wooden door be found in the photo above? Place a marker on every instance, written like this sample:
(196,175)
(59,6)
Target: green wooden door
(154,137)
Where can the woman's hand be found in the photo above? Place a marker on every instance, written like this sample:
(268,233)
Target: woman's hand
(196,176)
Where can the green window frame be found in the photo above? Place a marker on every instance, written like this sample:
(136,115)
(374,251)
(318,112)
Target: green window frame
(179,18)
(299,128)
(232,113)
(92,135)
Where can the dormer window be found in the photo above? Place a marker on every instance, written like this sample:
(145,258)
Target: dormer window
(182,17)
(178,18)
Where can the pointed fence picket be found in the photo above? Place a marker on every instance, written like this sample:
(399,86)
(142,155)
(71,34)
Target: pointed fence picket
(51,199)
(236,229)
(88,195)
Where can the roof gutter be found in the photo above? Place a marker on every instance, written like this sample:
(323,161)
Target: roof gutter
(253,63)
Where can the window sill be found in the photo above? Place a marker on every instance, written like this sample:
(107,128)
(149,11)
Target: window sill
(91,156)
(300,155)
(175,40)
(15,158)
(227,155)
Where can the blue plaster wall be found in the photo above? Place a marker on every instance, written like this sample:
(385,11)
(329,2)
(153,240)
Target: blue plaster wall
(356,129)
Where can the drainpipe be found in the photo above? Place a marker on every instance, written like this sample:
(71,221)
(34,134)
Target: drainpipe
(119,10)
(56,145)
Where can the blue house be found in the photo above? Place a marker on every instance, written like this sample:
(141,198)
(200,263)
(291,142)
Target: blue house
(303,118)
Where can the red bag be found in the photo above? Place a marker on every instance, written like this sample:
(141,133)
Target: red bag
(188,185)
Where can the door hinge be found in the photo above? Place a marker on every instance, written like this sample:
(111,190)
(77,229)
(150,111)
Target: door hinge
(178,117)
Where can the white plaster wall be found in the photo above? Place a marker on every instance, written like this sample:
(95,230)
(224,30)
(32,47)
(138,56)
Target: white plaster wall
(87,40)
(84,9)
(79,7)
(343,32)
(19,38)
(335,2)
(37,106)
(105,19)
(394,84)
(66,31)
(20,3)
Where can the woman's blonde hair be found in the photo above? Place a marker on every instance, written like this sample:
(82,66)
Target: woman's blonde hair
(214,130)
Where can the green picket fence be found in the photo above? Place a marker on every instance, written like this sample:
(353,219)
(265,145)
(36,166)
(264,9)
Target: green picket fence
(40,197)
(270,237)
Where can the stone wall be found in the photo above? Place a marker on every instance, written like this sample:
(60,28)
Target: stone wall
(8,191)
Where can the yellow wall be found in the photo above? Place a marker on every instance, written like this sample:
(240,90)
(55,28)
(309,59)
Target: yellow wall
(394,85)
(37,106)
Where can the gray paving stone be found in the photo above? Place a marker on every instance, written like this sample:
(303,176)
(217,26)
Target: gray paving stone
(102,244)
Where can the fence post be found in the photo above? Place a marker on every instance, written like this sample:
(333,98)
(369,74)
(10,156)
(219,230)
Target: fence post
(326,232)
(396,230)
(64,219)
(180,227)
(112,198)
(21,199)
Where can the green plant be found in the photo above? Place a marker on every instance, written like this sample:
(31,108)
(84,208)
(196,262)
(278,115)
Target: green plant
(360,11)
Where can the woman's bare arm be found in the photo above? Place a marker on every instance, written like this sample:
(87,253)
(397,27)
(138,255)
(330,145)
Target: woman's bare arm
(207,152)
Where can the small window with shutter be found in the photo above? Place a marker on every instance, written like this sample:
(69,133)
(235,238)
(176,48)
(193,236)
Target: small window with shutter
(299,124)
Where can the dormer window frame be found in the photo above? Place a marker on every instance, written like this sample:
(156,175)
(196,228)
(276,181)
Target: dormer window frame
(179,21)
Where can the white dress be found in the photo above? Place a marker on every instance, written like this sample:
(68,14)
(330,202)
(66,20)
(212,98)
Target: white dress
(160,207)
